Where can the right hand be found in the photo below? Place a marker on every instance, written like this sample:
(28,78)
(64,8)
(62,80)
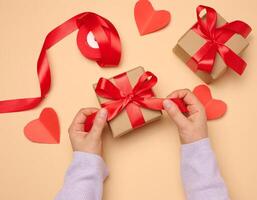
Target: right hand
(192,127)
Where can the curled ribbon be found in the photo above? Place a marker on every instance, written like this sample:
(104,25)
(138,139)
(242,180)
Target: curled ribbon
(108,53)
(216,37)
(122,96)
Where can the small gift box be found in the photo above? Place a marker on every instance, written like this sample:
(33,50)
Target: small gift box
(133,116)
(212,45)
(130,101)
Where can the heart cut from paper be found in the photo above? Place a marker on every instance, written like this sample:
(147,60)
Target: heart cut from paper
(214,108)
(149,20)
(45,129)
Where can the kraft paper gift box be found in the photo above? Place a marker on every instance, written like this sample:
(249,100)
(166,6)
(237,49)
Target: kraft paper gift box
(121,124)
(191,42)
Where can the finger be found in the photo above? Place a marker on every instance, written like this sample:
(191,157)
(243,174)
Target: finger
(175,114)
(80,118)
(185,94)
(99,123)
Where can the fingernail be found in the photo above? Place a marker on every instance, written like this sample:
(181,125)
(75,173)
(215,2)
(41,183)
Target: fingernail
(167,104)
(103,113)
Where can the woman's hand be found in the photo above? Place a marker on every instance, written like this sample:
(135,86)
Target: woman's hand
(192,127)
(90,142)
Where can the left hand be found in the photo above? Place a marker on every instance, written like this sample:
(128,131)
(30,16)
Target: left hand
(90,142)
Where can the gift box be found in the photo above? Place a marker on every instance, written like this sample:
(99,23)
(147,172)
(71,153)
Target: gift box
(133,116)
(213,45)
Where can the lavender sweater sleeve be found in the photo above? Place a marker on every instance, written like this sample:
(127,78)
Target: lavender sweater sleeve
(84,178)
(200,174)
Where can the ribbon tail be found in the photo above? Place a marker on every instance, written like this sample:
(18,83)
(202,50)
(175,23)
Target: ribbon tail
(113,108)
(157,103)
(89,122)
(207,61)
(181,104)
(232,60)
(18,104)
(56,35)
(43,69)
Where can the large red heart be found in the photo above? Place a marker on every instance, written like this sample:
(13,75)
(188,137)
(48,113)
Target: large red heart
(45,129)
(149,20)
(214,108)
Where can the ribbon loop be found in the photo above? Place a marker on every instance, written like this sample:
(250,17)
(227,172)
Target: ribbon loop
(107,89)
(145,83)
(207,24)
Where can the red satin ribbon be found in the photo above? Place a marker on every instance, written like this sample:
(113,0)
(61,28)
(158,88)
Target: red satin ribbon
(108,53)
(216,37)
(123,96)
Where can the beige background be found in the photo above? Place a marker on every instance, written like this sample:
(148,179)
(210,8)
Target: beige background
(144,164)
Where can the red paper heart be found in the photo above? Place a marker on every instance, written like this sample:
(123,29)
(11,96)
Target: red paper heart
(214,108)
(45,129)
(149,20)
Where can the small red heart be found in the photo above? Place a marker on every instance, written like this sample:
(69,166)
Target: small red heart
(214,108)
(149,20)
(45,129)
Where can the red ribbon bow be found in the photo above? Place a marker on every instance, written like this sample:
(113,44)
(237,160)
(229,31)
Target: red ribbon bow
(108,53)
(216,38)
(123,96)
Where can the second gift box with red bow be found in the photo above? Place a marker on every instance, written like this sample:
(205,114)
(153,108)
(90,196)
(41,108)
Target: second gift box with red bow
(212,45)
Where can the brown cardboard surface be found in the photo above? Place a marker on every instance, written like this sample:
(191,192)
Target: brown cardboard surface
(143,165)
(121,125)
(191,42)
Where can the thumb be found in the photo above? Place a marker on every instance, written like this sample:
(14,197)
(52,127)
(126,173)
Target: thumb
(99,123)
(174,113)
